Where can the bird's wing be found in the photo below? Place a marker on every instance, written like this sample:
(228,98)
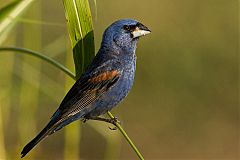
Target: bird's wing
(85,91)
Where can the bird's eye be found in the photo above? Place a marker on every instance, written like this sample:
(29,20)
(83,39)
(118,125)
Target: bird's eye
(126,27)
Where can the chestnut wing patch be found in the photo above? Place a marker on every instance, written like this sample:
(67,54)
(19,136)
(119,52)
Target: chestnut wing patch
(108,75)
(88,91)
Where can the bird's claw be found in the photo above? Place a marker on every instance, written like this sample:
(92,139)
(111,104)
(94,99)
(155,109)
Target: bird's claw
(84,120)
(114,121)
(113,128)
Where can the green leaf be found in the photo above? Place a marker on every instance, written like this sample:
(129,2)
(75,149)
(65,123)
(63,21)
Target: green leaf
(80,28)
(9,14)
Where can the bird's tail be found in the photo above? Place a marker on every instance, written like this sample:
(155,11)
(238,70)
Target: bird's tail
(43,134)
(54,125)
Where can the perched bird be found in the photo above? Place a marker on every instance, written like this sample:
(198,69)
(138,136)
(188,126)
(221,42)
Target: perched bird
(105,82)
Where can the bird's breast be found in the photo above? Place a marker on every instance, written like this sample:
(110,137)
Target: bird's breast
(125,82)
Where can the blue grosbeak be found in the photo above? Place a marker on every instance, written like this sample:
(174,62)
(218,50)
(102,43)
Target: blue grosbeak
(105,83)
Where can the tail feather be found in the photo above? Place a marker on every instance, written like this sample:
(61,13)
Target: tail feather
(54,125)
(43,134)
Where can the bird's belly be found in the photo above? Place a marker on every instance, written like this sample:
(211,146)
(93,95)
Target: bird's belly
(119,91)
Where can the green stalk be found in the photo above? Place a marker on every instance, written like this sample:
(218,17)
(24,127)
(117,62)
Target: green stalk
(127,137)
(41,56)
(68,72)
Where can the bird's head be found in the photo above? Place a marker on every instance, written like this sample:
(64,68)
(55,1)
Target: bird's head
(124,34)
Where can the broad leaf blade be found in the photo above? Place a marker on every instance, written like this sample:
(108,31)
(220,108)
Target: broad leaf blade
(9,14)
(80,28)
(79,22)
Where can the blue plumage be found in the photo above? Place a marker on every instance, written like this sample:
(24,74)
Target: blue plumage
(107,80)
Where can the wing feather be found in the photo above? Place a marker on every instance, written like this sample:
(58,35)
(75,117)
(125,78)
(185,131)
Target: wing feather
(85,93)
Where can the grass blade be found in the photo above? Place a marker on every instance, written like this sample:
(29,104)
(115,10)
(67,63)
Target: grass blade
(8,15)
(79,22)
(40,56)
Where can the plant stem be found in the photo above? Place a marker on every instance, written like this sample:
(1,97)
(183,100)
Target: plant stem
(126,137)
(69,73)
(41,56)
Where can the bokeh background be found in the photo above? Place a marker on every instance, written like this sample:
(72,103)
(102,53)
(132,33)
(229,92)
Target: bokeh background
(184,103)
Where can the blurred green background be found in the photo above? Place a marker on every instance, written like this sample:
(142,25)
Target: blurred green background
(183,105)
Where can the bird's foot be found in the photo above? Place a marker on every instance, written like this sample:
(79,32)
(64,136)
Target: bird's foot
(113,121)
(113,128)
(84,120)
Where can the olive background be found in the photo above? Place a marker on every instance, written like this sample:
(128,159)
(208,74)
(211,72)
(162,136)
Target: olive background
(185,100)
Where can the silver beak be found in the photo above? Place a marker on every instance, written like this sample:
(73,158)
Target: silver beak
(140,30)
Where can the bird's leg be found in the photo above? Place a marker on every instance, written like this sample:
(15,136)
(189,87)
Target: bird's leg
(110,120)
(84,120)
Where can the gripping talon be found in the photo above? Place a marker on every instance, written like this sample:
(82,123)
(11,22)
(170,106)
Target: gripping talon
(113,128)
(115,120)
(84,120)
